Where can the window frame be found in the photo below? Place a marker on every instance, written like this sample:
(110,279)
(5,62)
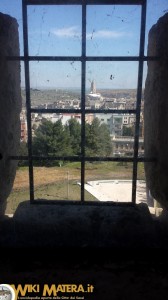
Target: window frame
(141,58)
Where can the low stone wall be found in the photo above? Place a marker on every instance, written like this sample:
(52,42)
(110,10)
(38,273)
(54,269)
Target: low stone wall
(10,105)
(79,226)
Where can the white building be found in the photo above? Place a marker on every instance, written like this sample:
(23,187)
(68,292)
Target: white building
(94,99)
(115,122)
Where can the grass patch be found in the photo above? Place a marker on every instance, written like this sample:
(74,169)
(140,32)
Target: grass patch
(109,170)
(141,171)
(58,191)
(60,183)
(16,197)
(61,191)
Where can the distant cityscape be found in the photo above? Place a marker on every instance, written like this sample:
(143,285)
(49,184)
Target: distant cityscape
(121,126)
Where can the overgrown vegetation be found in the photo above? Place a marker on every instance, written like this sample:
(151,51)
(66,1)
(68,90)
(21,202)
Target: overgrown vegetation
(55,139)
(128,131)
(54,180)
(55,183)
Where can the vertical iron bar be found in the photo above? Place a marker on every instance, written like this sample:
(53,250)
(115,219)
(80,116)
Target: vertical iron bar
(28,103)
(139,96)
(83,85)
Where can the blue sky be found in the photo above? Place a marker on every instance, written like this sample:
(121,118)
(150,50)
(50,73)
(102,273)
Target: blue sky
(111,30)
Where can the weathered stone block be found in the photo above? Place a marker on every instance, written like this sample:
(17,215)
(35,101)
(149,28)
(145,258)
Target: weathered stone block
(156,112)
(82,226)
(10,104)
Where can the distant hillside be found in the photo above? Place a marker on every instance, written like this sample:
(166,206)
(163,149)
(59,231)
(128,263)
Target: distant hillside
(51,95)
(130,93)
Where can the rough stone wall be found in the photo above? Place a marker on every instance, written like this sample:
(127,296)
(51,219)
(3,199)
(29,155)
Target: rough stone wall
(10,105)
(156,112)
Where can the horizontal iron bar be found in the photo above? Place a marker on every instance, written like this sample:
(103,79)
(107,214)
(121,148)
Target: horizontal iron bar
(121,58)
(87,2)
(35,157)
(111,111)
(81,58)
(55,110)
(86,159)
(85,203)
(87,111)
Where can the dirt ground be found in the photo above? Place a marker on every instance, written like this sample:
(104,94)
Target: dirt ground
(44,175)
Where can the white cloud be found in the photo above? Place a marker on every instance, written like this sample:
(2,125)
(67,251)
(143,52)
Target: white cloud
(107,34)
(74,32)
(66,32)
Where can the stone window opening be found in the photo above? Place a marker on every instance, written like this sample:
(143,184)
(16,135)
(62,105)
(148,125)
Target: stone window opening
(83,159)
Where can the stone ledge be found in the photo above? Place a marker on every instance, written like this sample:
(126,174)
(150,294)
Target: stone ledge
(81,226)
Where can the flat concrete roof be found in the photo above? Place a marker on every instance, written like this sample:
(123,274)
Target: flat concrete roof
(119,191)
(116,190)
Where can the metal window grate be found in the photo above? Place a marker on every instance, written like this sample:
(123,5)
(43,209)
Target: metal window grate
(83,59)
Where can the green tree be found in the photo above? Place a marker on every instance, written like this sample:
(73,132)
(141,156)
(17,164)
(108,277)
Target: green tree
(98,141)
(58,140)
(23,151)
(105,140)
(43,139)
(128,131)
(52,139)
(92,138)
(75,135)
(61,141)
